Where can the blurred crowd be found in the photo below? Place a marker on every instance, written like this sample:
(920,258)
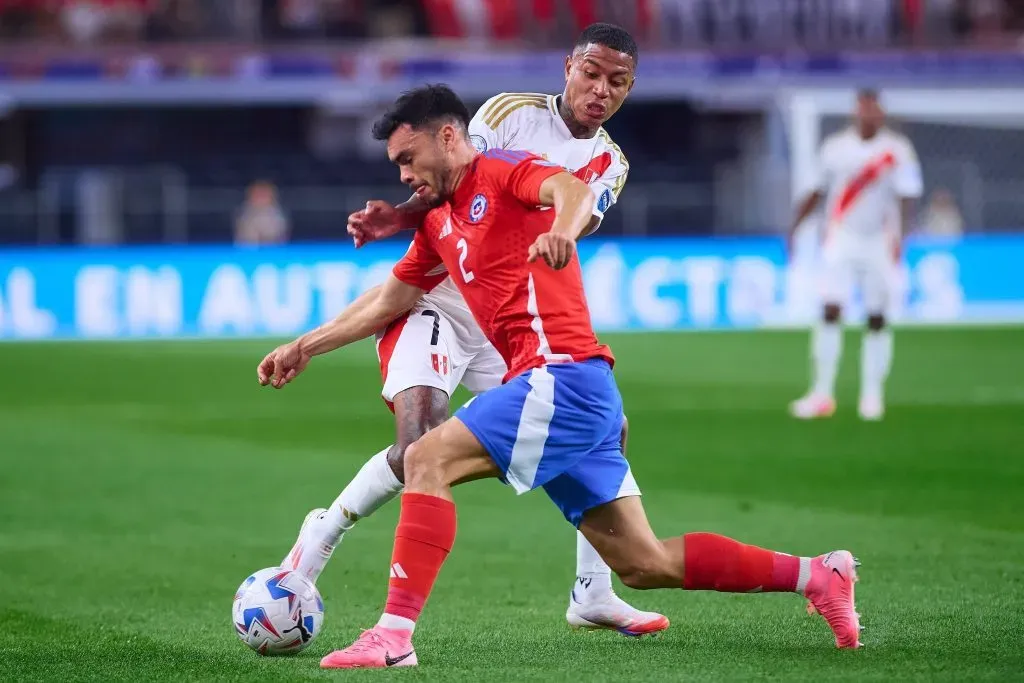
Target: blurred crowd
(654,21)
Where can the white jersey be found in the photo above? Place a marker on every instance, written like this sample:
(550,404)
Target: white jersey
(531,122)
(864,181)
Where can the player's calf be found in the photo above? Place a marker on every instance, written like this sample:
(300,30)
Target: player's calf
(706,561)
(620,532)
(876,359)
(417,410)
(427,522)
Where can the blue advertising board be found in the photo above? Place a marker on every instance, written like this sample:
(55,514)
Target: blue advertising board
(651,284)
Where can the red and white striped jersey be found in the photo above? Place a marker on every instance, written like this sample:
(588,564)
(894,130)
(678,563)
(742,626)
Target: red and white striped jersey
(533,315)
(531,122)
(864,181)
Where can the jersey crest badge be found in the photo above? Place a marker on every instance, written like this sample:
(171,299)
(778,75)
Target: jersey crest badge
(478,208)
(604,201)
(479,143)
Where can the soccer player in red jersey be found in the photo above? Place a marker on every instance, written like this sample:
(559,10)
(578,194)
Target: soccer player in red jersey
(428,351)
(555,423)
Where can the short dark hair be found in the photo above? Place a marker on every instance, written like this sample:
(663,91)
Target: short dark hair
(424,106)
(867,94)
(611,36)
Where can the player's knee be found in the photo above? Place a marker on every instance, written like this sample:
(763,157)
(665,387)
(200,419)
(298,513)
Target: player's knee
(396,460)
(418,462)
(876,322)
(654,568)
(832,313)
(417,411)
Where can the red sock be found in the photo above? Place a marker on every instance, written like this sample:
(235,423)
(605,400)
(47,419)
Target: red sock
(719,563)
(423,539)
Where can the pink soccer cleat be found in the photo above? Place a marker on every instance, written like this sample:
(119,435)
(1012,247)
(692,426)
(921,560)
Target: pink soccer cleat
(812,407)
(830,591)
(376,648)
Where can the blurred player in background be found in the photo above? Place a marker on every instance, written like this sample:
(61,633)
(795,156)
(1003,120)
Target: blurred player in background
(426,353)
(556,421)
(866,174)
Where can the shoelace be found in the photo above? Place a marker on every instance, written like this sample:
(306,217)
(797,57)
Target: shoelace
(367,640)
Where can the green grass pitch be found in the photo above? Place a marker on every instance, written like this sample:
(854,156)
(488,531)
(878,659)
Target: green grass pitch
(140,483)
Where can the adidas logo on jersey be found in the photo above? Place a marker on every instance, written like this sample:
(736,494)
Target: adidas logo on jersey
(397,572)
(446,229)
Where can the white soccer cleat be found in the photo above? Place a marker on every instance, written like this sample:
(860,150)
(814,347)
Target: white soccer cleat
(291,560)
(812,407)
(871,407)
(610,612)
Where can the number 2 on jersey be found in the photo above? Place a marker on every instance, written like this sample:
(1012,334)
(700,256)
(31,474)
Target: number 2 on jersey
(467,275)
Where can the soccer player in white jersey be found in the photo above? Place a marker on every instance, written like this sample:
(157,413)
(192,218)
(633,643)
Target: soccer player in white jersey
(427,352)
(867,175)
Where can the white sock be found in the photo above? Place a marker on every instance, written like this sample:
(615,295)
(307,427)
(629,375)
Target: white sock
(391,621)
(374,485)
(593,575)
(875,360)
(826,347)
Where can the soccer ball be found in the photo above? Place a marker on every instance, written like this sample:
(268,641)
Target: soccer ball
(277,612)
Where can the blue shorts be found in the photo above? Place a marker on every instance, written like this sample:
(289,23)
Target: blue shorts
(557,427)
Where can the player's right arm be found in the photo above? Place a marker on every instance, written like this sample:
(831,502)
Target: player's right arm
(419,271)
(371,311)
(363,317)
(816,194)
(379,220)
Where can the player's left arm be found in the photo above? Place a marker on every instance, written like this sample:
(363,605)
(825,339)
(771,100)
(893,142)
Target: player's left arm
(606,189)
(535,182)
(909,186)
(573,202)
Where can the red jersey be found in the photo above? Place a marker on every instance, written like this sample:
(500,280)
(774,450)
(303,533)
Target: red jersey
(533,314)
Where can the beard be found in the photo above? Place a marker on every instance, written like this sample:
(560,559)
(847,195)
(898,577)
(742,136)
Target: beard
(444,182)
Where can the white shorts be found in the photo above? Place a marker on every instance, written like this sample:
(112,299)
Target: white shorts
(864,263)
(422,349)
